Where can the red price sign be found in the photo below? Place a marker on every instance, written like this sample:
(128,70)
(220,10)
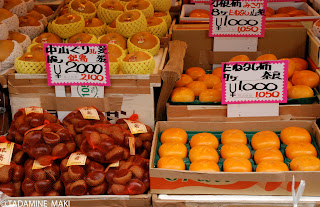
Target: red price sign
(77,64)
(237,18)
(254,82)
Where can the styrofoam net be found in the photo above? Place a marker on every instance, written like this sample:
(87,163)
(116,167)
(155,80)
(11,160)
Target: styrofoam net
(4,32)
(12,23)
(20,9)
(32,31)
(17,52)
(30,5)
(25,44)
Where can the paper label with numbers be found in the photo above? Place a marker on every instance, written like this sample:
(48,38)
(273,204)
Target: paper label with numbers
(89,113)
(254,82)
(36,165)
(33,109)
(6,153)
(77,158)
(77,64)
(237,18)
(132,145)
(136,127)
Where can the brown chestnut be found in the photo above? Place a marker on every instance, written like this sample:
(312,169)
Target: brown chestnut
(8,189)
(40,150)
(6,173)
(145,154)
(64,134)
(99,189)
(36,194)
(20,157)
(52,193)
(95,178)
(36,120)
(43,186)
(137,171)
(94,139)
(115,154)
(71,147)
(94,166)
(118,189)
(60,151)
(18,173)
(38,174)
(63,165)
(135,186)
(138,143)
(122,176)
(53,172)
(28,186)
(76,172)
(51,138)
(78,188)
(51,118)
(78,139)
(66,178)
(126,165)
(146,137)
(17,189)
(58,186)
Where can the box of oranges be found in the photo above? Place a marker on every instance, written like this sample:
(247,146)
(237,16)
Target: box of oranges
(248,158)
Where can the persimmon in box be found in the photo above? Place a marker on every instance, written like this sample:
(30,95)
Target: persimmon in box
(170,181)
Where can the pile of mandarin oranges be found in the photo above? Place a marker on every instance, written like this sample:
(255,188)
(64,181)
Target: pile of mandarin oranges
(195,82)
(237,151)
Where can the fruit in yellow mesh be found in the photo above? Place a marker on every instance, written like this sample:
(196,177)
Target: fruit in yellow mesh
(299,149)
(195,72)
(305,77)
(210,95)
(239,58)
(204,166)
(173,149)
(203,153)
(300,91)
(197,87)
(206,139)
(233,136)
(305,163)
(235,150)
(183,81)
(268,153)
(272,166)
(266,57)
(291,67)
(301,64)
(171,162)
(235,164)
(182,94)
(265,139)
(290,135)
(210,80)
(174,135)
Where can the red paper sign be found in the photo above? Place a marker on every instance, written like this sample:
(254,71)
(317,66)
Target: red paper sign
(237,18)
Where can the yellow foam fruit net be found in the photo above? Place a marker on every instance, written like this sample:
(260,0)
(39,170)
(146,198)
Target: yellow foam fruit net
(30,46)
(158,30)
(148,12)
(97,31)
(127,29)
(97,3)
(28,67)
(161,5)
(110,29)
(108,15)
(153,51)
(93,40)
(168,19)
(142,67)
(124,3)
(85,15)
(66,30)
(114,67)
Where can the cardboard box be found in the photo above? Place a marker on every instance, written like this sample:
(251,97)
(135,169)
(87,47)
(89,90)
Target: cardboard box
(314,48)
(282,39)
(128,94)
(165,181)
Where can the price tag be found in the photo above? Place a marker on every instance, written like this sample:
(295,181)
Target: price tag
(77,158)
(237,18)
(77,64)
(33,109)
(6,150)
(89,113)
(254,82)
(36,165)
(136,127)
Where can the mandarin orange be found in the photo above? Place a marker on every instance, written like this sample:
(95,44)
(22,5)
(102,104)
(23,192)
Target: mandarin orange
(197,87)
(203,153)
(204,138)
(300,91)
(231,136)
(210,80)
(183,81)
(239,58)
(195,72)
(268,153)
(299,149)
(235,150)
(204,166)
(305,163)
(272,166)
(290,135)
(305,77)
(174,135)
(265,139)
(173,149)
(235,164)
(182,94)
(171,162)
(210,95)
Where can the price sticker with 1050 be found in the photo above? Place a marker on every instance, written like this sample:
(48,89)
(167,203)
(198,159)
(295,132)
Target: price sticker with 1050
(254,82)
(77,64)
(237,18)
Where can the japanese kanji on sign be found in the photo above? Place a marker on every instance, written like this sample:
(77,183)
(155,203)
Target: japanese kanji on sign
(254,82)
(237,18)
(77,64)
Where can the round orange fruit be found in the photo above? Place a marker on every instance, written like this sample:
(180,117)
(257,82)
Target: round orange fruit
(295,13)
(305,77)
(199,13)
(305,163)
(210,95)
(210,80)
(231,136)
(268,153)
(299,149)
(171,162)
(301,64)
(270,10)
(272,166)
(173,149)
(182,94)
(183,81)
(291,66)
(235,164)
(290,135)
(300,91)
(203,153)
(197,87)
(265,139)
(280,15)
(285,10)
(266,57)
(204,166)
(174,135)
(195,72)
(205,139)
(235,150)
(239,58)
(289,85)
(217,72)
